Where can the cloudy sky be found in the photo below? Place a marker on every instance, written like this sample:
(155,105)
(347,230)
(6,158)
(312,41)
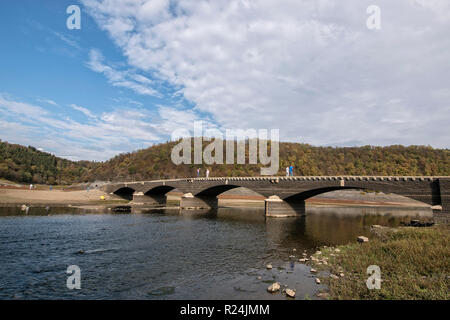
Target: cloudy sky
(137,70)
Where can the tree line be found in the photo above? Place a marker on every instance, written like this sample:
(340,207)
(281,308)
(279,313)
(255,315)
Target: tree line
(29,165)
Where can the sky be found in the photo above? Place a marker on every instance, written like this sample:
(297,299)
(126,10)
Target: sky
(138,70)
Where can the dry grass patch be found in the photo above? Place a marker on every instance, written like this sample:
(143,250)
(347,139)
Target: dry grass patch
(414,263)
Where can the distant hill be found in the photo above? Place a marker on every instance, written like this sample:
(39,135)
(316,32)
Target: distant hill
(28,165)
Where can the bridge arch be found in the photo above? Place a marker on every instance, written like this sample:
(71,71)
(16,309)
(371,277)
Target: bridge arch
(125,193)
(302,196)
(215,191)
(159,190)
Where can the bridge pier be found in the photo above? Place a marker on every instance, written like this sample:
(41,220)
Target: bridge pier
(142,199)
(188,201)
(276,207)
(443,215)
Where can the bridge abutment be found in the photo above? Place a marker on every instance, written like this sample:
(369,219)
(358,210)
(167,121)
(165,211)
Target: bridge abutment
(276,207)
(188,201)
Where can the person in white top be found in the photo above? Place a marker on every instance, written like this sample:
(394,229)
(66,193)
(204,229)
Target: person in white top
(287,171)
(207,173)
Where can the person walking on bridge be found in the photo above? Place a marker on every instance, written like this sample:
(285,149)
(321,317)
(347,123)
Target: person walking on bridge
(291,170)
(207,173)
(287,171)
(198,172)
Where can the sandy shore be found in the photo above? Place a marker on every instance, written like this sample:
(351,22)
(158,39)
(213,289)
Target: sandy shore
(18,196)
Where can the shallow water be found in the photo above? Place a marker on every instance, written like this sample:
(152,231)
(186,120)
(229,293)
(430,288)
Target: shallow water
(168,254)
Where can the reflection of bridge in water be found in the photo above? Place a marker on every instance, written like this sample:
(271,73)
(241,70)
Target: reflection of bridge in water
(285,196)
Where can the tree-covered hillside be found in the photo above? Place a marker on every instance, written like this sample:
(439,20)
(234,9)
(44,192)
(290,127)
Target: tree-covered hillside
(28,165)
(154,162)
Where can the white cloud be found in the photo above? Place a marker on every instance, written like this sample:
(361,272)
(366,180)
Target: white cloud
(310,68)
(47,101)
(126,79)
(102,137)
(83,110)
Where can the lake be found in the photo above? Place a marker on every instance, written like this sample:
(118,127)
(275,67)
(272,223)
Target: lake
(173,254)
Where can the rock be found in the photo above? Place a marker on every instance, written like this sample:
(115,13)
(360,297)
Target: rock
(275,287)
(317,280)
(290,293)
(23,207)
(324,262)
(318,252)
(259,278)
(323,295)
(362,239)
(80,251)
(294,250)
(333,276)
(313,270)
(304,254)
(332,255)
(302,260)
(341,275)
(376,226)
(337,250)
(291,256)
(269,266)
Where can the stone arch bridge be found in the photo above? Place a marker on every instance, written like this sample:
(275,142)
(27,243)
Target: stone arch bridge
(285,196)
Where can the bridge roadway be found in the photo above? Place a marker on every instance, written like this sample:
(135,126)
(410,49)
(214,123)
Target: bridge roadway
(285,196)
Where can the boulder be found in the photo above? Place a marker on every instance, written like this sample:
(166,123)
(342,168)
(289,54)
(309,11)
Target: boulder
(275,287)
(323,295)
(313,270)
(362,239)
(317,280)
(333,276)
(269,266)
(290,293)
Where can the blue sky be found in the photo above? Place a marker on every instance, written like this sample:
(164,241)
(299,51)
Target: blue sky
(138,70)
